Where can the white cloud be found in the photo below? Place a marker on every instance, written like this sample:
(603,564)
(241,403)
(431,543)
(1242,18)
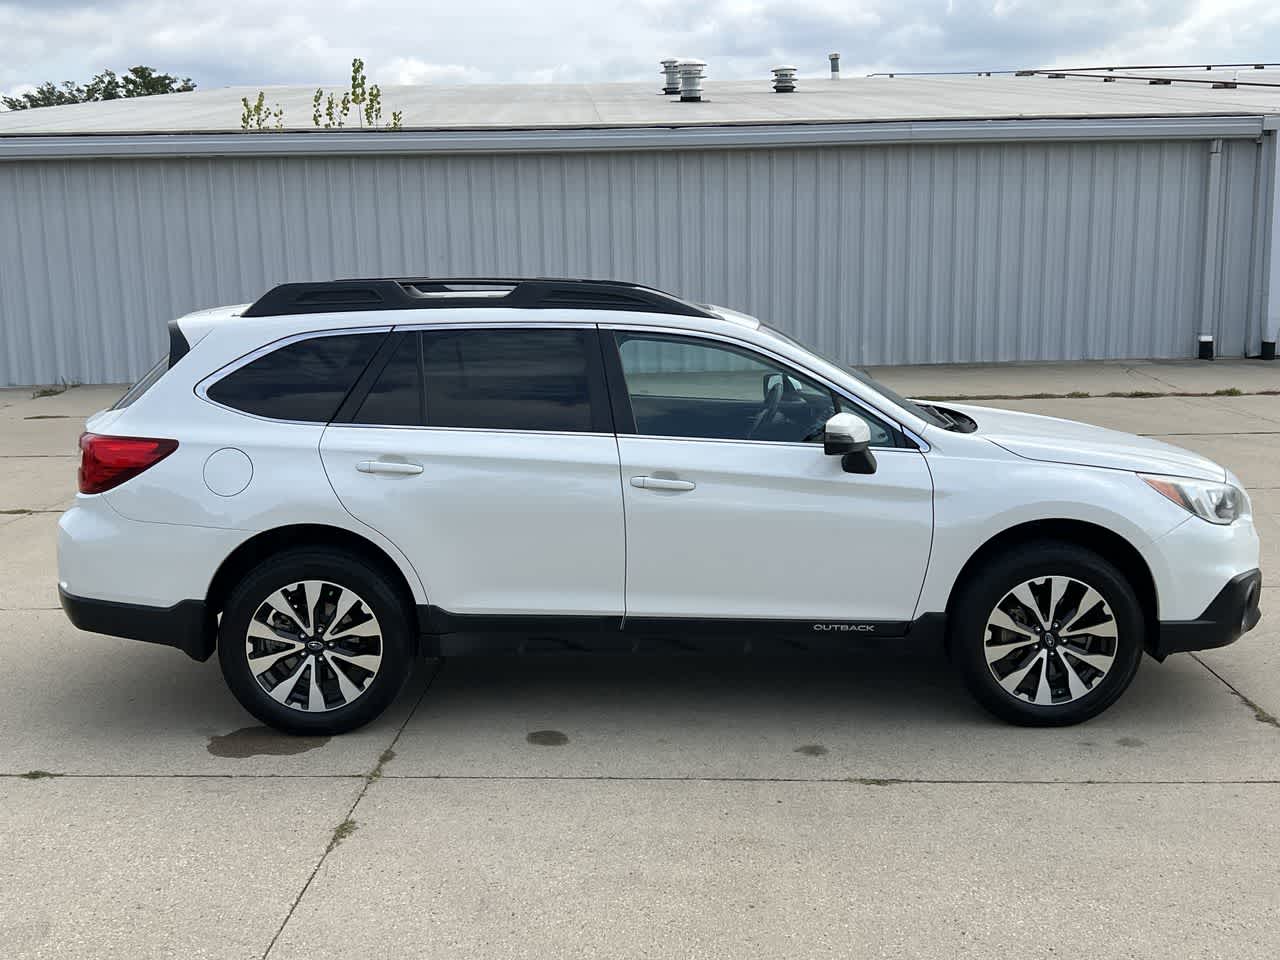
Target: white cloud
(222,42)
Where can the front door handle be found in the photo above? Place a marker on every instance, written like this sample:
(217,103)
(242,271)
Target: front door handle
(395,467)
(661,483)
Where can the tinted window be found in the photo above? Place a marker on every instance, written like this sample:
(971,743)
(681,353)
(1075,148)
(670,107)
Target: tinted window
(396,397)
(697,388)
(304,380)
(508,379)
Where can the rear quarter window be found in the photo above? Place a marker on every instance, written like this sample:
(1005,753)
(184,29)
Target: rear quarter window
(142,386)
(302,381)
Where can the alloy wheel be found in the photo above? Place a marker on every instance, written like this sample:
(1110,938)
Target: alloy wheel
(1050,640)
(314,646)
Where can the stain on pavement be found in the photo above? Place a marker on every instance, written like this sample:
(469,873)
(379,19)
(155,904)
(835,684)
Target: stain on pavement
(261,742)
(547,738)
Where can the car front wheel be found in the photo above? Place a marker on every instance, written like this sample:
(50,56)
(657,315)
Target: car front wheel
(1048,634)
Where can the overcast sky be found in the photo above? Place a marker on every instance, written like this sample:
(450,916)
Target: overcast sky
(233,42)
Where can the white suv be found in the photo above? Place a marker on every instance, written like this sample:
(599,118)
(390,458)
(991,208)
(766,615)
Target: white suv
(321,483)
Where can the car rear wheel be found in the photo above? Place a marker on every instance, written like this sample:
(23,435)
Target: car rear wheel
(1048,634)
(315,641)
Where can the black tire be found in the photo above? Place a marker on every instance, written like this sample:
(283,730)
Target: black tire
(970,636)
(389,636)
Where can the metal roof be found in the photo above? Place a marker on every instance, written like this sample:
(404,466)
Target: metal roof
(495,107)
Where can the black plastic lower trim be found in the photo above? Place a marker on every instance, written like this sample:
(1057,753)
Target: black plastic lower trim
(188,625)
(1233,613)
(451,634)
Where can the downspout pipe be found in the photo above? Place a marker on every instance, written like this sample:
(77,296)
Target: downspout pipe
(1212,246)
(1271,292)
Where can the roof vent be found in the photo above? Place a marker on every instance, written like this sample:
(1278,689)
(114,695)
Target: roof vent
(691,80)
(784,79)
(671,85)
(835,65)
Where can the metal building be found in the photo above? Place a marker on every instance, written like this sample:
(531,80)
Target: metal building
(883,220)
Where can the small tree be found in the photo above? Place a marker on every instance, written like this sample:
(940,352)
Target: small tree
(257,116)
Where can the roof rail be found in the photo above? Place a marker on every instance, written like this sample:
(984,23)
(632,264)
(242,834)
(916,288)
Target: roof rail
(424,293)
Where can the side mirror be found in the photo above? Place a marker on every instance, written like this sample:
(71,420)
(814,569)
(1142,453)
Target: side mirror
(848,436)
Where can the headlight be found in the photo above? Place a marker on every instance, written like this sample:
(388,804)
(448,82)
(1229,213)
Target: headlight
(1216,502)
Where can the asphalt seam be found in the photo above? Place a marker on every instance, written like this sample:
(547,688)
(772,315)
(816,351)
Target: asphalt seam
(347,825)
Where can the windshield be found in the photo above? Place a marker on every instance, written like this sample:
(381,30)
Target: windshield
(925,413)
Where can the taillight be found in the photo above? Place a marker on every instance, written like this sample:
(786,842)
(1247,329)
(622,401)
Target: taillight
(107,462)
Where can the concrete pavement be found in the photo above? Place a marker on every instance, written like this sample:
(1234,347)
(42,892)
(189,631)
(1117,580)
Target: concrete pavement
(574,808)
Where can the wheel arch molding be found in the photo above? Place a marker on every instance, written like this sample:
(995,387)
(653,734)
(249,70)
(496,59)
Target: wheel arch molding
(262,545)
(1107,543)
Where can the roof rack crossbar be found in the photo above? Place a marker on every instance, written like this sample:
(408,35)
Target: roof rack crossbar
(421,293)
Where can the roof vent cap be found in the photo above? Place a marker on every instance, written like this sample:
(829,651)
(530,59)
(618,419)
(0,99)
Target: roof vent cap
(691,80)
(671,83)
(784,79)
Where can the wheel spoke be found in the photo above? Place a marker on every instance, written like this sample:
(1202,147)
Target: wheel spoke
(346,600)
(1107,629)
(998,651)
(280,692)
(366,661)
(348,689)
(1005,622)
(1099,661)
(1074,684)
(1088,602)
(1044,693)
(1022,593)
(311,590)
(1011,680)
(281,605)
(260,665)
(315,698)
(1057,587)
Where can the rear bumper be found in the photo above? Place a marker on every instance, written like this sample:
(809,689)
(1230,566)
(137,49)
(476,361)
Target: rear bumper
(188,625)
(1230,615)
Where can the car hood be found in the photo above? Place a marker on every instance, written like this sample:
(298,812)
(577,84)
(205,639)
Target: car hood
(1069,441)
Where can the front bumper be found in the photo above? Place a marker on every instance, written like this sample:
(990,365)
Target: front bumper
(188,625)
(1230,615)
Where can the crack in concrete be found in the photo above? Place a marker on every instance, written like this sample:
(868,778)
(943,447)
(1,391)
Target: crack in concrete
(348,824)
(1259,713)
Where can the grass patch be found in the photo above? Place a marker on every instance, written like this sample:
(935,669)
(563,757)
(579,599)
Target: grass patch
(62,386)
(1135,394)
(345,829)
(1077,395)
(1229,392)
(38,775)
(16,512)
(874,781)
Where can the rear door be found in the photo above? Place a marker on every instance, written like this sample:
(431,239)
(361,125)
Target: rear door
(733,511)
(487,455)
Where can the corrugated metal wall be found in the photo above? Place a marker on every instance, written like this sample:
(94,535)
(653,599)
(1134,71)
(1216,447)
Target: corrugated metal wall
(877,254)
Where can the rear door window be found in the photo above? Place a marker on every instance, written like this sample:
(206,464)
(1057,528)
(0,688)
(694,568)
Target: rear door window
(301,381)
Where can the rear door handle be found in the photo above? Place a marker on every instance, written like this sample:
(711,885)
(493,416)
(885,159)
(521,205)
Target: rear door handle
(661,483)
(394,467)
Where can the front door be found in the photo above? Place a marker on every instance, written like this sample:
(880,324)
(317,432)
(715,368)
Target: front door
(488,457)
(734,512)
